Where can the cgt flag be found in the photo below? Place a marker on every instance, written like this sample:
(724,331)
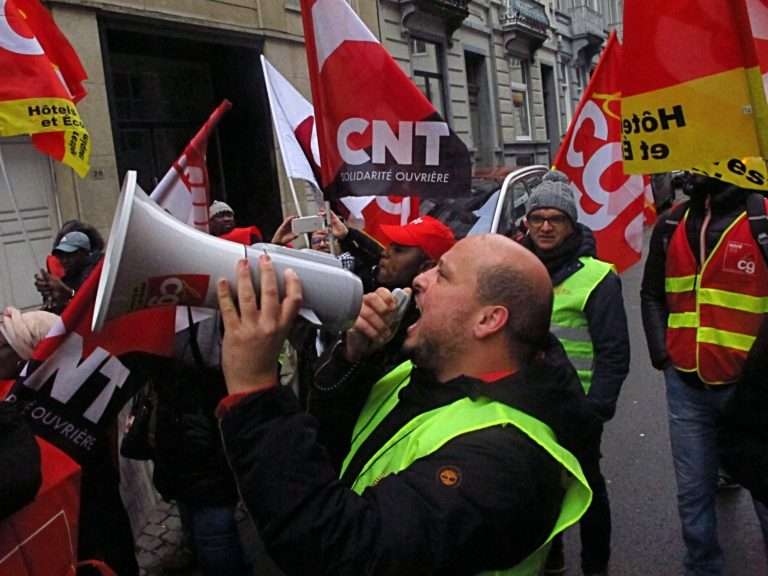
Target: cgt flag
(611,203)
(377,133)
(77,381)
(294,120)
(184,190)
(42,80)
(692,87)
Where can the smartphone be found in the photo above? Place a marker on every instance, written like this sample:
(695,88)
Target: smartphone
(307,224)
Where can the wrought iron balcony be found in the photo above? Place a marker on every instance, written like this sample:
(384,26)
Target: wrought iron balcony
(451,12)
(587,21)
(525,25)
(526,14)
(589,30)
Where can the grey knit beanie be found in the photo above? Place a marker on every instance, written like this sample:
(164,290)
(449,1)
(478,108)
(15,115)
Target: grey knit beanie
(218,207)
(555,191)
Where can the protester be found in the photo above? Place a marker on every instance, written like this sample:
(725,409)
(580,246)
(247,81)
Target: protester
(21,332)
(702,293)
(414,248)
(77,257)
(97,240)
(589,319)
(19,453)
(472,478)
(221,223)
(190,465)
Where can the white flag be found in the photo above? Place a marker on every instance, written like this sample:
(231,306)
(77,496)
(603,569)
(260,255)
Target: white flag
(294,120)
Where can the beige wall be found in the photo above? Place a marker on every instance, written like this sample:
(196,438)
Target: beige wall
(93,198)
(277,22)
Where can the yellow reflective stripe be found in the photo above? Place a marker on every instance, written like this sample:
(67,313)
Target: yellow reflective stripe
(683,320)
(679,284)
(724,338)
(733,300)
(573,347)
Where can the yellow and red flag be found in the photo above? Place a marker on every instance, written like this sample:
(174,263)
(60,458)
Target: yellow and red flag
(692,85)
(42,80)
(611,203)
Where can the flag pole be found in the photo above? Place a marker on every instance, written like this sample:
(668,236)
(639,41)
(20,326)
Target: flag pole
(15,206)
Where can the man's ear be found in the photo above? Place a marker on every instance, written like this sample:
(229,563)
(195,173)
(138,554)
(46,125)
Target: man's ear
(492,320)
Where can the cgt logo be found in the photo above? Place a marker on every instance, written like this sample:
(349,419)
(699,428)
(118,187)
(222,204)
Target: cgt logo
(739,258)
(384,140)
(745,265)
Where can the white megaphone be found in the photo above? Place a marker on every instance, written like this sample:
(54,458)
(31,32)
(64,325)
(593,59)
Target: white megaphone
(153,259)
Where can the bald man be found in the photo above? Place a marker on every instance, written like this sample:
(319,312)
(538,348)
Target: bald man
(459,461)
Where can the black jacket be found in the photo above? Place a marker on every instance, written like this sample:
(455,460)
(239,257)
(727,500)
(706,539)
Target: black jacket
(190,464)
(724,207)
(606,319)
(19,461)
(502,509)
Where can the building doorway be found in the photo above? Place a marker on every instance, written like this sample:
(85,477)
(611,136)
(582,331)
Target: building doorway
(163,82)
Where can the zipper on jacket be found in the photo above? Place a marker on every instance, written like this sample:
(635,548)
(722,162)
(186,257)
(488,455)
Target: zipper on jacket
(703,235)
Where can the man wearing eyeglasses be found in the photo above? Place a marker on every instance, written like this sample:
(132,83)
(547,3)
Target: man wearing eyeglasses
(589,319)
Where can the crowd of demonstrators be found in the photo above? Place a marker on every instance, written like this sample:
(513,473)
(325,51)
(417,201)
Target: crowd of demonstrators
(415,442)
(702,297)
(589,319)
(76,250)
(466,443)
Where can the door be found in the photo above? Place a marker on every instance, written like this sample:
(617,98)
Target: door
(31,181)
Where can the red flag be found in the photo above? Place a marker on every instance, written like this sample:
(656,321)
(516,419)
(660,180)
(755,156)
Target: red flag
(294,119)
(377,133)
(611,202)
(184,191)
(77,381)
(42,79)
(692,87)
(41,538)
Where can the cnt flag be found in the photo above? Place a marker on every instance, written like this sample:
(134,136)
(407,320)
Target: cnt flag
(42,80)
(377,133)
(294,120)
(692,86)
(611,202)
(184,190)
(77,380)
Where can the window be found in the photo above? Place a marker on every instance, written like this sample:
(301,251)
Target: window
(565,97)
(426,58)
(521,99)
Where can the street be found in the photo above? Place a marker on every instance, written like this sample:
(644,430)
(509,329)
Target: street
(637,464)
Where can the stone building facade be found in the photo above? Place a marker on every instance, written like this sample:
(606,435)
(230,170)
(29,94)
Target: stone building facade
(506,74)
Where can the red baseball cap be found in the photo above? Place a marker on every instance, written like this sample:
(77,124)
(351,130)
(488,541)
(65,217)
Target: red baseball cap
(425,232)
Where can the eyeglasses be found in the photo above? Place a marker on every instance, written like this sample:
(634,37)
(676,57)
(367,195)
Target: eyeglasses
(538,221)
